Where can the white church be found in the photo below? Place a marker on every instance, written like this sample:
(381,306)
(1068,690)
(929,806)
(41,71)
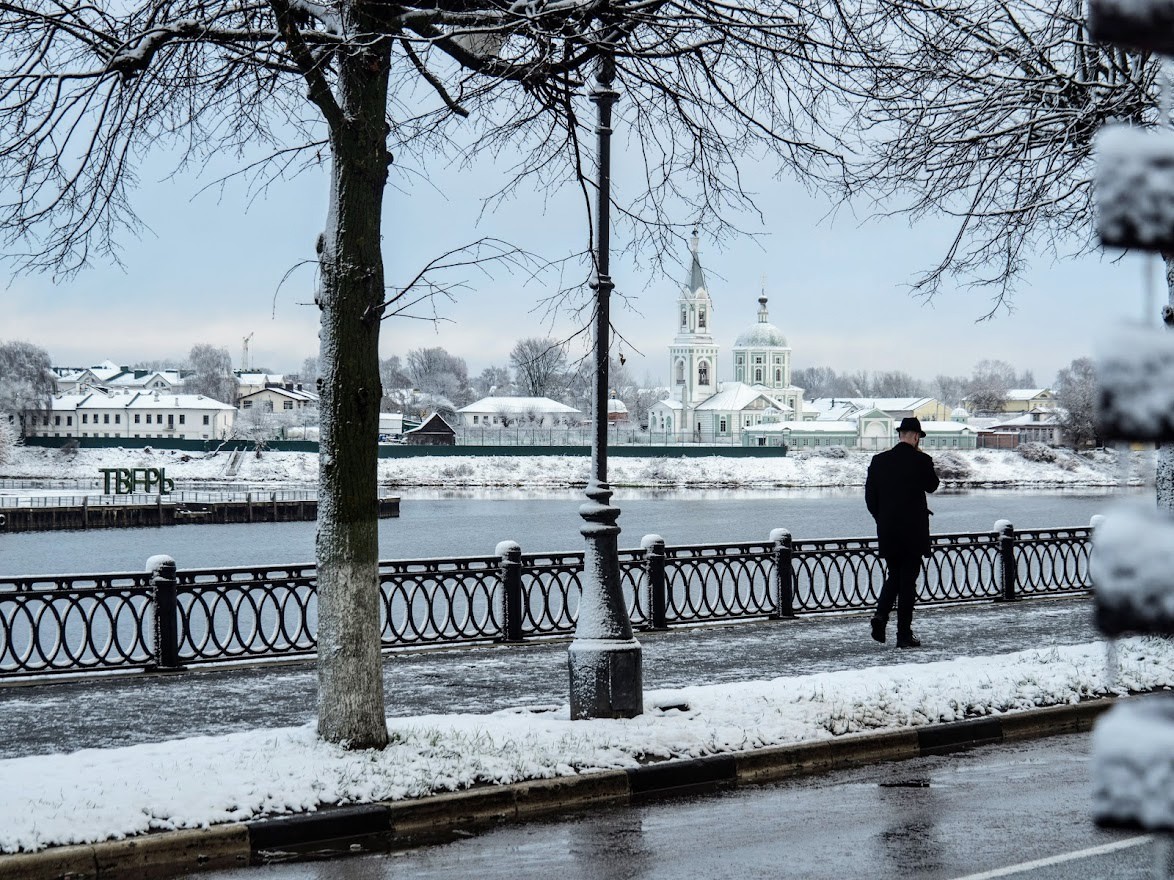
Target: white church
(700,409)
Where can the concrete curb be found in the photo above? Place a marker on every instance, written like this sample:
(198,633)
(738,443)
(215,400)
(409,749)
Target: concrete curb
(397,824)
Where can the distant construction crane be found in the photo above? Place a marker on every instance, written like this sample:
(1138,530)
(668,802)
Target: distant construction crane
(245,352)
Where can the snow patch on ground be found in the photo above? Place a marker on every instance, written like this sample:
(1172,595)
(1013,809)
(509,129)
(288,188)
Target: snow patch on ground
(967,468)
(100,794)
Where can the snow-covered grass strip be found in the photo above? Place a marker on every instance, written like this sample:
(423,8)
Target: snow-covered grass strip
(802,469)
(100,794)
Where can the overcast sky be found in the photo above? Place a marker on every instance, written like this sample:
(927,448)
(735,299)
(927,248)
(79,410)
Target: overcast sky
(209,268)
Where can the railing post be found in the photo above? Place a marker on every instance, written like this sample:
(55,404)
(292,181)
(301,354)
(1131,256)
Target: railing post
(510,573)
(166,608)
(1008,571)
(784,582)
(654,556)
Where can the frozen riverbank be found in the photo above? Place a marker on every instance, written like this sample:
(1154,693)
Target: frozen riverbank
(833,468)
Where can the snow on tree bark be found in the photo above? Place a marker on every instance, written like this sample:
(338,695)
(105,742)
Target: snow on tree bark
(350,672)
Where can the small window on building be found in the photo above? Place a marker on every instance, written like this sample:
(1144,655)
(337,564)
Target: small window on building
(205,420)
(56,421)
(118,418)
(287,405)
(106,418)
(722,425)
(181,418)
(757,375)
(136,420)
(148,418)
(703,373)
(246,404)
(69,420)
(701,318)
(85,418)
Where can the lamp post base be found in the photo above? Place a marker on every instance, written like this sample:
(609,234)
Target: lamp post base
(606,678)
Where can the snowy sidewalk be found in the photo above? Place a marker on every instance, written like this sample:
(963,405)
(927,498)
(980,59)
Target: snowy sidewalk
(108,711)
(102,794)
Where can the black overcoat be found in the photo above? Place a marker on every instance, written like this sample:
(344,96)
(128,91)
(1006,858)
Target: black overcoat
(895,494)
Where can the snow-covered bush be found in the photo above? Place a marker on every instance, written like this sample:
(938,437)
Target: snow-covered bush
(951,466)
(826,452)
(1037,452)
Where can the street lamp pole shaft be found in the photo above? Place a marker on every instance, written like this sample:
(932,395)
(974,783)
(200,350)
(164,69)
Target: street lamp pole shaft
(604,658)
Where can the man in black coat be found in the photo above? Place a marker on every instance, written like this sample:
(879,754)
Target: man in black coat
(894,491)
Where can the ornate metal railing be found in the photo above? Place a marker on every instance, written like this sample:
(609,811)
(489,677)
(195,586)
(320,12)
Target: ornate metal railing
(79,623)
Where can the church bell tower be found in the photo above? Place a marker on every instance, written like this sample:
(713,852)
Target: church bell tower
(693,354)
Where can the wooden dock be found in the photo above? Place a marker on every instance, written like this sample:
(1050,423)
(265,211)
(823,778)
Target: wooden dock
(165,513)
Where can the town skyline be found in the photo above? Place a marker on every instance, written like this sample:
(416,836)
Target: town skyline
(836,287)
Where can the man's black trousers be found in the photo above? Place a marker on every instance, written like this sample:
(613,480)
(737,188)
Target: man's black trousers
(900,586)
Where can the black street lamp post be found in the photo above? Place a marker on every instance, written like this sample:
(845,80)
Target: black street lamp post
(604,657)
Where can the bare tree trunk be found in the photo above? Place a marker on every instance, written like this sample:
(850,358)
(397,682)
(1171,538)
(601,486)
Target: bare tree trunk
(350,674)
(1164,473)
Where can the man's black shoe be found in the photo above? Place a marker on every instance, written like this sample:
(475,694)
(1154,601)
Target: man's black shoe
(909,641)
(878,629)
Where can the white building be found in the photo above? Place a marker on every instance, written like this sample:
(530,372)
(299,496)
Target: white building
(133,414)
(108,375)
(699,408)
(286,398)
(502,412)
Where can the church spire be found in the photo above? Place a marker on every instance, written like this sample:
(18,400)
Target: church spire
(696,275)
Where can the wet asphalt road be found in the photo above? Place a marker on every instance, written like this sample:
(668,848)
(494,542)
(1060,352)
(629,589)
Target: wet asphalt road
(109,711)
(981,814)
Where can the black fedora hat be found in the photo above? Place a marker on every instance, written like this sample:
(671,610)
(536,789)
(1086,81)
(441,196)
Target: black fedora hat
(910,424)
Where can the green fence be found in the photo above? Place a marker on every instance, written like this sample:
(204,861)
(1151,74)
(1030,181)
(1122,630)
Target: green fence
(400,450)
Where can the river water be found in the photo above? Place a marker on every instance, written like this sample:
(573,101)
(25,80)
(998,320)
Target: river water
(471,523)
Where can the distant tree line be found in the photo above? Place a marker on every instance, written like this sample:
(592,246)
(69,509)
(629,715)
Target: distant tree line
(983,390)
(432,379)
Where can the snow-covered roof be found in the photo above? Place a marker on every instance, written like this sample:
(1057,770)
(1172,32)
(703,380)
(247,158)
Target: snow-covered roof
(616,406)
(831,408)
(1043,418)
(106,370)
(518,405)
(890,404)
(1027,393)
(946,428)
(126,399)
(142,378)
(737,396)
(282,391)
(259,378)
(68,402)
(668,403)
(181,401)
